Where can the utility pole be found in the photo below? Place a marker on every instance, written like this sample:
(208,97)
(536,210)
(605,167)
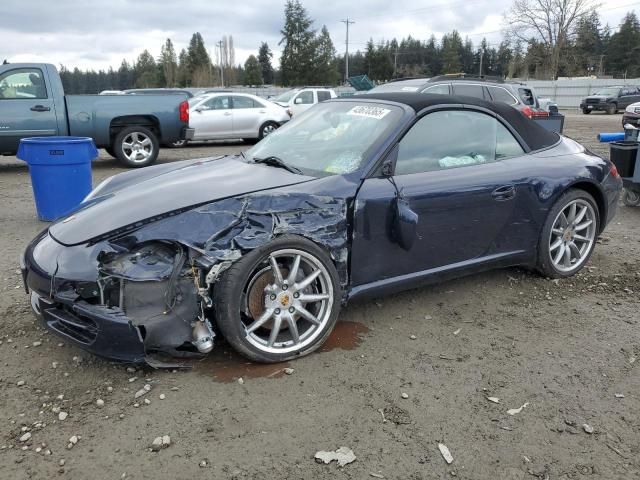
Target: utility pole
(395,62)
(481,57)
(221,63)
(347,22)
(600,72)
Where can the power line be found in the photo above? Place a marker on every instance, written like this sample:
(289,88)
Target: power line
(347,22)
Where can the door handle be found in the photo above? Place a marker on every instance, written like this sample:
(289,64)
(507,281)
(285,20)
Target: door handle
(40,108)
(506,192)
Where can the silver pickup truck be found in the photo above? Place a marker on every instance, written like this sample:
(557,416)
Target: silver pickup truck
(130,127)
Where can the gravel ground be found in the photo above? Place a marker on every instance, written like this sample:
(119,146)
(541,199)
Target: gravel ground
(569,350)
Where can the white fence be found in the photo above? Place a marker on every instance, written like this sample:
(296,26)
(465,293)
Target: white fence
(568,93)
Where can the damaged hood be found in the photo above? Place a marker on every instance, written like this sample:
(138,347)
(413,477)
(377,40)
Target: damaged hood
(134,197)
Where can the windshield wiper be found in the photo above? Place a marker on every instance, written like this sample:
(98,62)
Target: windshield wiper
(274,161)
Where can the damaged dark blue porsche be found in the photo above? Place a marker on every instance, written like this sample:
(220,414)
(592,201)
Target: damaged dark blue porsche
(356,197)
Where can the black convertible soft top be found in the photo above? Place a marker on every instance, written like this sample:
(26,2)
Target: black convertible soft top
(535,136)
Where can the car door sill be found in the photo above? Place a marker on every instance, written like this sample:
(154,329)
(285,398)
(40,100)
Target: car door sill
(438,274)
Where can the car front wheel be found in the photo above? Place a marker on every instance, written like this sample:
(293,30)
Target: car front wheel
(569,235)
(279,301)
(266,129)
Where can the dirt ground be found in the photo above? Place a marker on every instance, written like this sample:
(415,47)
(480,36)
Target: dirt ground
(569,350)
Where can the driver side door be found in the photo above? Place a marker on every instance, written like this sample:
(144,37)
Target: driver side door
(453,176)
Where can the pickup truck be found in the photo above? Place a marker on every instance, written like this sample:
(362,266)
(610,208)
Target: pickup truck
(130,127)
(297,100)
(611,99)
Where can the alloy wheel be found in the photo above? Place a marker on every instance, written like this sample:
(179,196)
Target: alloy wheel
(268,129)
(287,302)
(572,235)
(137,147)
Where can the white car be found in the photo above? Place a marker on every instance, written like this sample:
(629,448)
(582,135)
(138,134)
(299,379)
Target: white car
(217,116)
(298,100)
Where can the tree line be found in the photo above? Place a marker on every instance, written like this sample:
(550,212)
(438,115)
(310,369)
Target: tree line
(583,47)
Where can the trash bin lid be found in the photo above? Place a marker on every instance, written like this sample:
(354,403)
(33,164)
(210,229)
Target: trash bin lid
(56,140)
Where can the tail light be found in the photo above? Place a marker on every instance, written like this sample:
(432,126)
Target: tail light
(531,113)
(184,112)
(614,171)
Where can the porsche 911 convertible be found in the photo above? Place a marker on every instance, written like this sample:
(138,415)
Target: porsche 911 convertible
(356,197)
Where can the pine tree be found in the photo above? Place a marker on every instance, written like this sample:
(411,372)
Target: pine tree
(325,68)
(168,63)
(451,49)
(624,47)
(264,58)
(146,71)
(252,71)
(296,62)
(198,63)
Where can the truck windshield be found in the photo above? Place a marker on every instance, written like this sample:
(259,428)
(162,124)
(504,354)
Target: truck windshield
(330,138)
(608,92)
(285,97)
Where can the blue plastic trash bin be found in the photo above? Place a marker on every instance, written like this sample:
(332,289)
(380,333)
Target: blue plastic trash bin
(60,169)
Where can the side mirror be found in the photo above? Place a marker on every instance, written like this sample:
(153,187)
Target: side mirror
(405,224)
(297,101)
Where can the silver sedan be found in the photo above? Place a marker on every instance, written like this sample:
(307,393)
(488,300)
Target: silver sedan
(218,116)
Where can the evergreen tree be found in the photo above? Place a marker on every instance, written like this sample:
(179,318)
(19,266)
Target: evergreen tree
(125,76)
(146,71)
(198,63)
(451,49)
(264,58)
(168,63)
(252,71)
(183,69)
(325,65)
(298,38)
(624,47)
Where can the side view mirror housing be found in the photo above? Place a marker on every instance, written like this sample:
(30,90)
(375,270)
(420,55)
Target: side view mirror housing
(405,224)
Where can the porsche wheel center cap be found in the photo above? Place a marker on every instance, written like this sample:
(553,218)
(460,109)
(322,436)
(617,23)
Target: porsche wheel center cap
(284,299)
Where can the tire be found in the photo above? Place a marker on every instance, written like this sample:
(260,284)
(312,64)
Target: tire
(563,238)
(136,147)
(110,151)
(266,129)
(586,111)
(243,301)
(611,109)
(630,198)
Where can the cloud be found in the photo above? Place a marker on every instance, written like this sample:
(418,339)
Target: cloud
(101,33)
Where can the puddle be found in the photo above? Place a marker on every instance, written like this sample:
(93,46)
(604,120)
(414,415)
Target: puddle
(227,366)
(345,336)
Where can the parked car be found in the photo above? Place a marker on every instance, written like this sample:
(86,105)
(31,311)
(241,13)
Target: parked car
(297,100)
(358,197)
(632,115)
(33,104)
(218,116)
(610,99)
(159,91)
(518,95)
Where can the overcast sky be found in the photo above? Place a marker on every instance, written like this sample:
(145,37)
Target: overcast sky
(98,33)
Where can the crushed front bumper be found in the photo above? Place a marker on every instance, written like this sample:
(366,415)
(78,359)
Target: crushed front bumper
(105,332)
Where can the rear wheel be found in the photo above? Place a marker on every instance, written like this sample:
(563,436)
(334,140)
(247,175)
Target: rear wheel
(136,146)
(280,301)
(568,235)
(630,198)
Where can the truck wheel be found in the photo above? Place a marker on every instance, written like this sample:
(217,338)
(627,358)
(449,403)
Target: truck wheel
(611,109)
(586,111)
(136,147)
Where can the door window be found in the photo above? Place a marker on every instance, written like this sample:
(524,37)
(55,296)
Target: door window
(527,97)
(244,102)
(323,95)
(468,90)
(499,94)
(454,138)
(217,103)
(23,83)
(442,89)
(304,98)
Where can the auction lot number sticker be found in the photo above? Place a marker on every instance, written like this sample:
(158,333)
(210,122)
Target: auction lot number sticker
(369,111)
